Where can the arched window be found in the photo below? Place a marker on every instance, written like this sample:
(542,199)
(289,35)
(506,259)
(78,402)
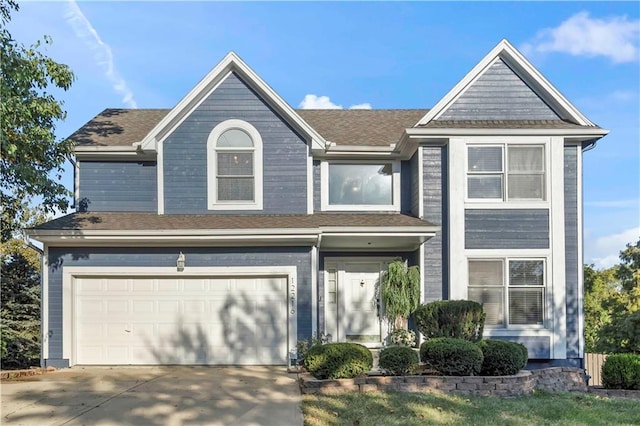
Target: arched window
(234,161)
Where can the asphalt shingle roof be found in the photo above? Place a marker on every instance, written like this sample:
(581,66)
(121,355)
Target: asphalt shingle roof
(378,127)
(107,221)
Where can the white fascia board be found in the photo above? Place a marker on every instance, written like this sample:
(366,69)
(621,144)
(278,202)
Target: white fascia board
(427,231)
(526,71)
(124,149)
(231,62)
(419,133)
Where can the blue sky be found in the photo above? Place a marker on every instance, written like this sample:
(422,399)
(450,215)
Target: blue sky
(379,55)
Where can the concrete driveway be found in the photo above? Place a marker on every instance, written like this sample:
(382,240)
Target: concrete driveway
(154,395)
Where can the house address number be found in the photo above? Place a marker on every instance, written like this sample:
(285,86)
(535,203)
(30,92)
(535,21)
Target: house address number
(292,297)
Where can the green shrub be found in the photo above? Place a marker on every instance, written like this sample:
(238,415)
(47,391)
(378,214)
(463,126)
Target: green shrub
(399,360)
(461,319)
(452,357)
(621,371)
(338,360)
(501,358)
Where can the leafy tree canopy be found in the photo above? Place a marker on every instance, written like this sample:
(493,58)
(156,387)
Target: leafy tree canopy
(612,304)
(31,157)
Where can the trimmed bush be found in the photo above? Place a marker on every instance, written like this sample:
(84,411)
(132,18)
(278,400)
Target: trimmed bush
(501,358)
(461,319)
(399,360)
(452,357)
(338,360)
(621,371)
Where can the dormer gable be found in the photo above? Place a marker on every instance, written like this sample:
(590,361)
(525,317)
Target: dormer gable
(504,85)
(230,64)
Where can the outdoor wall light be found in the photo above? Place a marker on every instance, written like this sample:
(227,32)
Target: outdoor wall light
(180,262)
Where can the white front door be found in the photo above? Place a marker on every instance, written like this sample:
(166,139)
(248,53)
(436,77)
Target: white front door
(352,306)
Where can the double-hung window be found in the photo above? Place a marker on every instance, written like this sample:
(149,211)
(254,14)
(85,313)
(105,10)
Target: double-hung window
(506,172)
(234,157)
(512,291)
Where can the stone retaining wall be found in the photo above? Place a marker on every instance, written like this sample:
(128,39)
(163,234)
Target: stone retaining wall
(523,383)
(16,374)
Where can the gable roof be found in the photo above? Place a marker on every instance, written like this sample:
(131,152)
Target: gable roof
(505,52)
(230,63)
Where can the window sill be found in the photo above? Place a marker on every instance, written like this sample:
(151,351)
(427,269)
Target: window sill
(236,206)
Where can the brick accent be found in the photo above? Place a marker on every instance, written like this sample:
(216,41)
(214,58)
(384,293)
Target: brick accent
(548,379)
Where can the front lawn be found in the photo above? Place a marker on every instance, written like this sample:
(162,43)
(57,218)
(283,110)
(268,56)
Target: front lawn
(542,408)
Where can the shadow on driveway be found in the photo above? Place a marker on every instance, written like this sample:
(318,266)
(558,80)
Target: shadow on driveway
(154,396)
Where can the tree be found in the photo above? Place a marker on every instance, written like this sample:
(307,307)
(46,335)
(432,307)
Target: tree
(31,156)
(612,305)
(400,292)
(20,297)
(599,288)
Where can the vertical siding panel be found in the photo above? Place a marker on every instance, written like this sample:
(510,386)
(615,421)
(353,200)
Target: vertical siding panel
(284,154)
(435,211)
(572,263)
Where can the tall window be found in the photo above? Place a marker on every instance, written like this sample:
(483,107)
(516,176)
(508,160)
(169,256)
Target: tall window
(234,160)
(521,178)
(512,291)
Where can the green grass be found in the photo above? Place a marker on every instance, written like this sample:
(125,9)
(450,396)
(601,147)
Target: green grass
(378,408)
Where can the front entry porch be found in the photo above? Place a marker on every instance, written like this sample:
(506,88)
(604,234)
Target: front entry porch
(352,308)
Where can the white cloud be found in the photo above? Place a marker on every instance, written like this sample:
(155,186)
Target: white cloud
(312,101)
(318,102)
(365,105)
(615,38)
(604,251)
(102,51)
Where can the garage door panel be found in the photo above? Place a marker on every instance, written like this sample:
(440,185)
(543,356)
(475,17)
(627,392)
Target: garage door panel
(143,285)
(168,286)
(115,285)
(181,321)
(115,307)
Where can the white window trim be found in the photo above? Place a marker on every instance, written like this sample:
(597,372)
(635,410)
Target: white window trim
(212,183)
(546,305)
(395,187)
(504,202)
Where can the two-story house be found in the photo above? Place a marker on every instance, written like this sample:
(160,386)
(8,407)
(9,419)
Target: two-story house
(227,228)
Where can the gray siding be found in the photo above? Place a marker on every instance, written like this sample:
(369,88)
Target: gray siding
(145,256)
(499,94)
(317,186)
(406,186)
(539,347)
(284,154)
(415,187)
(506,229)
(118,186)
(572,262)
(435,203)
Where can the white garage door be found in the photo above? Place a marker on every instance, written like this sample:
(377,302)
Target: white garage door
(195,320)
